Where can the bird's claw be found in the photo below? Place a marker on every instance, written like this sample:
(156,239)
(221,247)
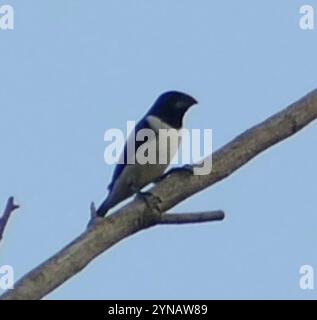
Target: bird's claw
(187,168)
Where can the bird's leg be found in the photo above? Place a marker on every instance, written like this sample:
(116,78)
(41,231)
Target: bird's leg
(187,168)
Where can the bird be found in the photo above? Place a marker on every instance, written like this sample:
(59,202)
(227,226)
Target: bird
(130,178)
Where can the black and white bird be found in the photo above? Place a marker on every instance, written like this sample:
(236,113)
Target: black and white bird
(166,113)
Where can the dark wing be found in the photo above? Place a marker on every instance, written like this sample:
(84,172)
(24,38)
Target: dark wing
(143,124)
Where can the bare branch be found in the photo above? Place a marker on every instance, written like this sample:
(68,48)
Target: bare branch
(10,207)
(172,190)
(181,218)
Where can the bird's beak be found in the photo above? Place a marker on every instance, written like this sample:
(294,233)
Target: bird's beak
(193,101)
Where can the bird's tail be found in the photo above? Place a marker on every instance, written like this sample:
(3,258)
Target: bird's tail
(104,208)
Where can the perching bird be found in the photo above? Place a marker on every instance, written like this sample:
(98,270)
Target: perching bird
(166,113)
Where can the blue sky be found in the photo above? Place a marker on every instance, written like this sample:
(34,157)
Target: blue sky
(72,69)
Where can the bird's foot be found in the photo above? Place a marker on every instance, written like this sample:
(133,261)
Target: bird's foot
(152,202)
(187,168)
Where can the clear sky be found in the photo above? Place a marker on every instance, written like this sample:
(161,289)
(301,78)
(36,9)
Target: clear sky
(72,69)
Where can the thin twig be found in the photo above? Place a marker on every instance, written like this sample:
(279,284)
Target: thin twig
(10,207)
(181,218)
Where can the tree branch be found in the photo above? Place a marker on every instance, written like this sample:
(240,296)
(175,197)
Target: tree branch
(10,207)
(198,217)
(176,187)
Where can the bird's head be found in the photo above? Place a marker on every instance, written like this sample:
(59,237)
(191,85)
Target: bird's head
(171,107)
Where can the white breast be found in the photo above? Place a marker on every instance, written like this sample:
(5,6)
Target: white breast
(166,148)
(156,123)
